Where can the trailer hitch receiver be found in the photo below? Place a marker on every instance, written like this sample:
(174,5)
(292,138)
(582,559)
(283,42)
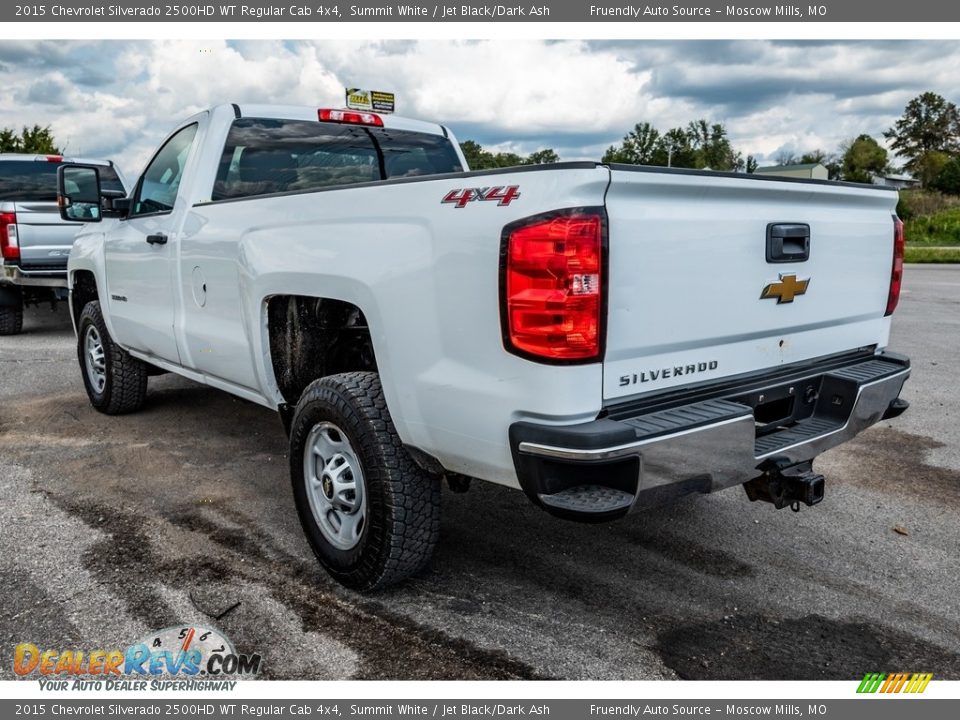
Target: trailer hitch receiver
(789,487)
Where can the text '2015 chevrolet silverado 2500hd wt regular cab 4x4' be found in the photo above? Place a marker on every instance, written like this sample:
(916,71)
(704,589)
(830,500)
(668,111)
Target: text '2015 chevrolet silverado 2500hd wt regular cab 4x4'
(603,337)
(34,240)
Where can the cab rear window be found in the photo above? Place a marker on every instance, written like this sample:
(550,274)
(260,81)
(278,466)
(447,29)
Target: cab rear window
(36,180)
(264,156)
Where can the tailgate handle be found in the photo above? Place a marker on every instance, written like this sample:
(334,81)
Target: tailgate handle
(788,242)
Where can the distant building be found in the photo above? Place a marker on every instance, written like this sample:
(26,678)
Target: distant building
(810,171)
(900,182)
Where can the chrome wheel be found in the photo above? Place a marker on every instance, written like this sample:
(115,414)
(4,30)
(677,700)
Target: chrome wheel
(95,359)
(335,487)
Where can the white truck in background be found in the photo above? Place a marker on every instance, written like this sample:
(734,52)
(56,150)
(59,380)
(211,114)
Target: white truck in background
(603,337)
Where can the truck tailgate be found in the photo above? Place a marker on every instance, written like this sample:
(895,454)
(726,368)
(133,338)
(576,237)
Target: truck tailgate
(45,239)
(688,266)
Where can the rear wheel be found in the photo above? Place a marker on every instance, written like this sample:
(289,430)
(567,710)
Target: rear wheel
(116,382)
(11,311)
(371,515)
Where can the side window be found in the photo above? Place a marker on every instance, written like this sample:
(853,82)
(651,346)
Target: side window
(161,179)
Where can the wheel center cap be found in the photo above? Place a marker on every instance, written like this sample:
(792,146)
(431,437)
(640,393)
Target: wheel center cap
(327,485)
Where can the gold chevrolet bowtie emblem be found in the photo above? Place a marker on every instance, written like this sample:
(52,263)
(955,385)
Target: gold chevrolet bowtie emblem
(785,290)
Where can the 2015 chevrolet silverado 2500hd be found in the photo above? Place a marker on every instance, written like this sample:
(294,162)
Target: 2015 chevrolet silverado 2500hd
(34,241)
(602,337)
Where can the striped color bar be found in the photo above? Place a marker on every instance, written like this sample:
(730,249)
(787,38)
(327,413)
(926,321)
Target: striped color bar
(895,682)
(918,682)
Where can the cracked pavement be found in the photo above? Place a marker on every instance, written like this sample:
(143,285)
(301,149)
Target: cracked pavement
(111,527)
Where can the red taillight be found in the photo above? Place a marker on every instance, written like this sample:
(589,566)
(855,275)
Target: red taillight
(55,158)
(350,117)
(9,242)
(552,286)
(896,273)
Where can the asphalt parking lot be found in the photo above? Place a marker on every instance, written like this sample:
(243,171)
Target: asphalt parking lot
(111,527)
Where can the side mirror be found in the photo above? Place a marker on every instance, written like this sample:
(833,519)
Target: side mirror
(115,202)
(78,193)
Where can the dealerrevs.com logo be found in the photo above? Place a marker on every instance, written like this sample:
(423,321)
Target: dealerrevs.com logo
(183,657)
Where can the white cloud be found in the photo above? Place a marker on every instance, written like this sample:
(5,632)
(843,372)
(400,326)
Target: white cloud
(118,99)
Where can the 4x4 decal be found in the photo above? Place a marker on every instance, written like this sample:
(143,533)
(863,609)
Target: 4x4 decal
(502,195)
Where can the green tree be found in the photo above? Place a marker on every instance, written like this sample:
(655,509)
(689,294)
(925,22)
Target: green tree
(930,124)
(699,133)
(948,179)
(929,166)
(506,159)
(700,144)
(712,146)
(542,157)
(474,154)
(639,146)
(613,154)
(677,150)
(480,159)
(862,159)
(8,140)
(38,140)
(815,156)
(751,164)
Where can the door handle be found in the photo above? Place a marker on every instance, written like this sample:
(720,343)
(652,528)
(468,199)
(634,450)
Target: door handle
(788,242)
(158,239)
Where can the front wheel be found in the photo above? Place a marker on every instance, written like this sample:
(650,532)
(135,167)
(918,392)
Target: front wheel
(116,382)
(370,513)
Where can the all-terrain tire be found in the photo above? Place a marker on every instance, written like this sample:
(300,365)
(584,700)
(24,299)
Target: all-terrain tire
(401,522)
(11,320)
(124,378)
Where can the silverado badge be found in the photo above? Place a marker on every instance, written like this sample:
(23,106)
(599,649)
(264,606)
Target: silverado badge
(786,289)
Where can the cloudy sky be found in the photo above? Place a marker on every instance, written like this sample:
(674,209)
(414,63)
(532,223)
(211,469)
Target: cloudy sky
(118,99)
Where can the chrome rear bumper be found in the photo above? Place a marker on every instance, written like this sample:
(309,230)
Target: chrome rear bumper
(607,468)
(14,275)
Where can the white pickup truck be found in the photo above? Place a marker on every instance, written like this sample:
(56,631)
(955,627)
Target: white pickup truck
(603,337)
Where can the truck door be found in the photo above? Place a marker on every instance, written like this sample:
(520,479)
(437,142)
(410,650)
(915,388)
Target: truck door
(141,254)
